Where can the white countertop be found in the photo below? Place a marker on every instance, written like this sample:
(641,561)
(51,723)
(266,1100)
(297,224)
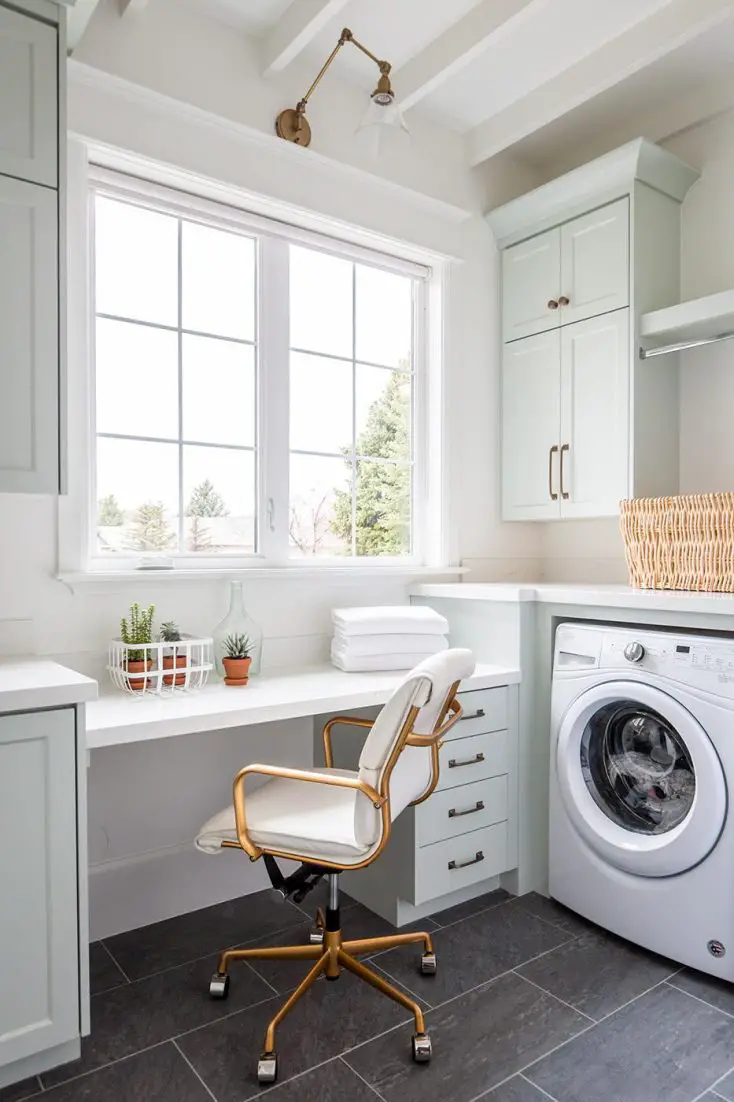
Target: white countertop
(602,596)
(121,718)
(30,683)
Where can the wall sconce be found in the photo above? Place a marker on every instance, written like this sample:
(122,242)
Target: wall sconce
(382,115)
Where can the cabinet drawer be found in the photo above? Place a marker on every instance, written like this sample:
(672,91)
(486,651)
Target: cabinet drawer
(447,866)
(465,760)
(457,811)
(484,710)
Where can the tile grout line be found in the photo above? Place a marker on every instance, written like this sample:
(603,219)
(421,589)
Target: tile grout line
(537,1088)
(698,999)
(545,991)
(186,1060)
(362,1078)
(116,963)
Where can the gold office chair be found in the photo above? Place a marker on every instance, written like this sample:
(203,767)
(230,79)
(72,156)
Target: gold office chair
(335,819)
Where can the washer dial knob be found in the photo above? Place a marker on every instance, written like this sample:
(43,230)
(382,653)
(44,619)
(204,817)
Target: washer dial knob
(634,652)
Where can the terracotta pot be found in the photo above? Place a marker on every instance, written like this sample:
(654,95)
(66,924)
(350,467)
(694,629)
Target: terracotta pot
(134,666)
(237,670)
(181,664)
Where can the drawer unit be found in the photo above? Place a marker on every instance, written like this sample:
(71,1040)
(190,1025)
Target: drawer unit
(457,811)
(484,710)
(458,862)
(465,760)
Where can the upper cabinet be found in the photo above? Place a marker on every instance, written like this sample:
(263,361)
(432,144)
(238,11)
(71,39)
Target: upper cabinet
(28,98)
(32,334)
(585,421)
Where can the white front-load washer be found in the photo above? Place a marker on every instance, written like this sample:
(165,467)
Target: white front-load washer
(642,758)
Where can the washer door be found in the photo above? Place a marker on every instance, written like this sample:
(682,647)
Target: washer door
(640,780)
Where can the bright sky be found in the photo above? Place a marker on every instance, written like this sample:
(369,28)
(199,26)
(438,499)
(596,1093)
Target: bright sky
(336,309)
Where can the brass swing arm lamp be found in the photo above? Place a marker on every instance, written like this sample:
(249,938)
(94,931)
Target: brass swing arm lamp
(292,124)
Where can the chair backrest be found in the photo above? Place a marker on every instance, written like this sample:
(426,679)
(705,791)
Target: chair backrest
(426,687)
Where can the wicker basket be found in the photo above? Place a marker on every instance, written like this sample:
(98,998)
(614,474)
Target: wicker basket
(684,542)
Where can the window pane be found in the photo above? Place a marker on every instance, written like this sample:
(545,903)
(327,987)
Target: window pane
(383,413)
(320,302)
(136,263)
(383,509)
(384,317)
(137,379)
(218,278)
(218,391)
(137,496)
(320,506)
(219,500)
(321,404)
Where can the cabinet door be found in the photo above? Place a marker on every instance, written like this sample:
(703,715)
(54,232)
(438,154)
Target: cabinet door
(531,414)
(29,338)
(595,415)
(28,98)
(531,282)
(595,263)
(39,949)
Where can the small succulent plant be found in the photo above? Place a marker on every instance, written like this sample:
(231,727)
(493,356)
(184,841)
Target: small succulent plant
(237,646)
(136,629)
(170,632)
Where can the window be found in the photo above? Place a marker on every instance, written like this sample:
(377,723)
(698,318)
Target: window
(258,390)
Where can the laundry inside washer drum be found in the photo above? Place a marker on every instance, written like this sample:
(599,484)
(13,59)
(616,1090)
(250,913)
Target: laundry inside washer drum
(637,768)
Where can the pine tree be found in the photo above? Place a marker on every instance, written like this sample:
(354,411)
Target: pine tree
(109,513)
(151,531)
(206,502)
(198,537)
(383,489)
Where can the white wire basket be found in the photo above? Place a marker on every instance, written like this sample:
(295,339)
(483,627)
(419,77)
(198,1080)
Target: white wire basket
(161,669)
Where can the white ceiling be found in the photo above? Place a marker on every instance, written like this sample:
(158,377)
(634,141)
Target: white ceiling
(520,74)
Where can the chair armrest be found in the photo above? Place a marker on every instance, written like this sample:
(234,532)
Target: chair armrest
(455,713)
(351,721)
(308,775)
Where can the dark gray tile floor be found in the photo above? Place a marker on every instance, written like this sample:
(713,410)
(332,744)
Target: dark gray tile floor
(530,1003)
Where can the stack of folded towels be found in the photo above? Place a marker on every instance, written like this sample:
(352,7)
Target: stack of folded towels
(387,638)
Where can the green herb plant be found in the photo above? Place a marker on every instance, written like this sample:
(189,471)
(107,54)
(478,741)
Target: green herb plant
(237,646)
(137,629)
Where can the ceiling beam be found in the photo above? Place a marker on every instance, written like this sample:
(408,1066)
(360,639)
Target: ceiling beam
(670,27)
(297,28)
(78,14)
(457,47)
(131,5)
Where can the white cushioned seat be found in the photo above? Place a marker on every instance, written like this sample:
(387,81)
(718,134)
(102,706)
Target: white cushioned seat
(295,817)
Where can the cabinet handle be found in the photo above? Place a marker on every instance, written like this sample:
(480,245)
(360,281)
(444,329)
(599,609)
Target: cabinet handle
(479,714)
(563,301)
(456,763)
(564,493)
(455,814)
(553,304)
(479,856)
(551,494)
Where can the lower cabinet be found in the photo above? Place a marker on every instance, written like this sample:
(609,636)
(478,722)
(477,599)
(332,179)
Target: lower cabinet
(39,900)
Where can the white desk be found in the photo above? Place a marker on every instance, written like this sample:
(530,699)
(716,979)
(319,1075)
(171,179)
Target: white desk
(118,718)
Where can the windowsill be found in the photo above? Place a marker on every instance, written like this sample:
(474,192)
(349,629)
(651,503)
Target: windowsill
(328,573)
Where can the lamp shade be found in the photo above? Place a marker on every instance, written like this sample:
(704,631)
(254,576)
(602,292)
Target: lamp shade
(382,129)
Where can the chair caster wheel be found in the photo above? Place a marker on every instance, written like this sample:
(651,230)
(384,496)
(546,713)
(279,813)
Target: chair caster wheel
(421,1048)
(267,1068)
(428,964)
(219,986)
(316,936)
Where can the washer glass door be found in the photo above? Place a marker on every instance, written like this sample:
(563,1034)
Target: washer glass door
(639,779)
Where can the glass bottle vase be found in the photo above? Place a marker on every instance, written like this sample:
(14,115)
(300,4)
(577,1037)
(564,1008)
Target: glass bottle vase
(237,622)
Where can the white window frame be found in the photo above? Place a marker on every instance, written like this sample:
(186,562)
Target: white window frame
(430,547)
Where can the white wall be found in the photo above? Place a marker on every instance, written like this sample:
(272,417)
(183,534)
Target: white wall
(168,85)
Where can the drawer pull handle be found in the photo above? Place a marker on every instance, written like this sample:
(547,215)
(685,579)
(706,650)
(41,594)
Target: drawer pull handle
(454,814)
(479,714)
(455,763)
(479,856)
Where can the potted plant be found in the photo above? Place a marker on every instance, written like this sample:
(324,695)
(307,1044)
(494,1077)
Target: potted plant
(170,633)
(237,658)
(136,630)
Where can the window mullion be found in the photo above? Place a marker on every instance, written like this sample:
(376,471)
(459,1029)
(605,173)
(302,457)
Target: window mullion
(273,398)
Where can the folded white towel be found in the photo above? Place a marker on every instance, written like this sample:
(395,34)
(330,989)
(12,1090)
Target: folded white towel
(390,620)
(360,664)
(363,645)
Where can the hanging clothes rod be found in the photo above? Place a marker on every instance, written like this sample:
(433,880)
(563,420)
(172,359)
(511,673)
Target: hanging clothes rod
(648,353)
